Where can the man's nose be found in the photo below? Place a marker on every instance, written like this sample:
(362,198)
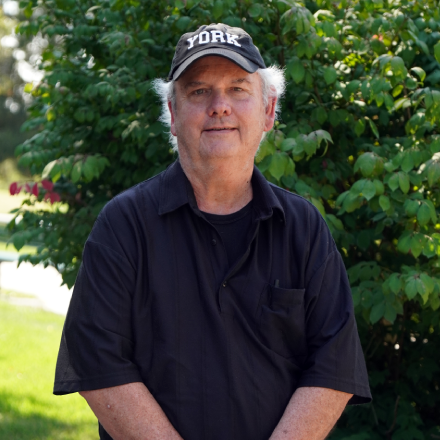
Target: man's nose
(219,104)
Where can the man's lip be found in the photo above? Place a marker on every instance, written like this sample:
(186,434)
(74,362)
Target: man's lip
(219,129)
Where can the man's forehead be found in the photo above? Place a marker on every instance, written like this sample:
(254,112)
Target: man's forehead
(215,67)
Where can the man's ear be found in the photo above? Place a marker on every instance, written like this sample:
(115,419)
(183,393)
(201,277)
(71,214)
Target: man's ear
(173,126)
(270,113)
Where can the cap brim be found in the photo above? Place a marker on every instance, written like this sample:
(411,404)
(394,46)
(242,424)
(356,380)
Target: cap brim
(238,59)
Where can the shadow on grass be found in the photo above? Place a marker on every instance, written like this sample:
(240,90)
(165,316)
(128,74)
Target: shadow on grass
(30,426)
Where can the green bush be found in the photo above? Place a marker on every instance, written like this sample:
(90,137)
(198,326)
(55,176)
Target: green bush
(357,136)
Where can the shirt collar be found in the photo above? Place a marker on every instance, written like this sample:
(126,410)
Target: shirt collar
(176,191)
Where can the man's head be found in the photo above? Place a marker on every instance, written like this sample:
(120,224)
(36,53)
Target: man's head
(218,79)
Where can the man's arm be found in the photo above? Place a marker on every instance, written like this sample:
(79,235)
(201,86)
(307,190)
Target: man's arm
(130,412)
(310,414)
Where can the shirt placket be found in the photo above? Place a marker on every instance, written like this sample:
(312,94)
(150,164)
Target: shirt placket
(225,290)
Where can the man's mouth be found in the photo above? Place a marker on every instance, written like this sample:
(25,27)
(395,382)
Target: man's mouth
(220,129)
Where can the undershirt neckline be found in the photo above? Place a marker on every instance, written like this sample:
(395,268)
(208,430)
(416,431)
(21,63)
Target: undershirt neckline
(229,218)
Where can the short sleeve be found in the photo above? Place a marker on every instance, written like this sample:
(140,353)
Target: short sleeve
(97,342)
(335,358)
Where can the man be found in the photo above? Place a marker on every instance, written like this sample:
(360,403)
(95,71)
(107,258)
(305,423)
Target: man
(211,304)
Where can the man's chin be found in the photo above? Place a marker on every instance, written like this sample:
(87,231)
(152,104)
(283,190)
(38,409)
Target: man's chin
(219,149)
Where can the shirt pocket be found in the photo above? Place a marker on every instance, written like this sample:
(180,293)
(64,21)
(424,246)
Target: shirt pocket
(282,322)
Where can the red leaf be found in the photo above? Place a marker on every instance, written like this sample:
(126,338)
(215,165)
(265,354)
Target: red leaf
(47,185)
(55,197)
(27,188)
(35,190)
(52,197)
(13,188)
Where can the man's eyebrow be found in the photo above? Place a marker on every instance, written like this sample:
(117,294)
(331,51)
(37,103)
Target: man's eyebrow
(193,84)
(241,80)
(196,83)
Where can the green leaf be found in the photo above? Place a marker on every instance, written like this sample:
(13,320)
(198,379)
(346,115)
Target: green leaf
(434,302)
(423,214)
(80,115)
(384,202)
(321,115)
(296,70)
(317,203)
(437,52)
(90,169)
(359,128)
(389,101)
(397,90)
(433,173)
(255,10)
(310,145)
(277,165)
(217,10)
(320,135)
(52,168)
(404,182)
(428,282)
(395,283)
(411,207)
(373,128)
(288,144)
(18,240)
(379,187)
(390,313)
(76,171)
(423,46)
(335,221)
(330,75)
(432,211)
(404,243)
(366,163)
(416,245)
(369,190)
(398,67)
(411,288)
(407,162)
(419,72)
(299,25)
(393,182)
(352,86)
(377,312)
(358,186)
(302,98)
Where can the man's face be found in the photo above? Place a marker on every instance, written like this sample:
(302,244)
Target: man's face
(219,111)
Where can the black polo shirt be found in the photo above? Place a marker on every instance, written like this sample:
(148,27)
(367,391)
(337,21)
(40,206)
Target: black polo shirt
(222,349)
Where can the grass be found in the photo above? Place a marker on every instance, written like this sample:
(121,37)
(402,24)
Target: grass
(9,247)
(29,341)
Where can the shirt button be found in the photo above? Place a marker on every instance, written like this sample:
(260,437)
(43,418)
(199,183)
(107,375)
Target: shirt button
(224,284)
(213,241)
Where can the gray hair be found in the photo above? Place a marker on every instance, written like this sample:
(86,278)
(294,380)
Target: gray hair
(273,85)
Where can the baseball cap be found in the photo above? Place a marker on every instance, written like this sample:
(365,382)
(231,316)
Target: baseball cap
(216,39)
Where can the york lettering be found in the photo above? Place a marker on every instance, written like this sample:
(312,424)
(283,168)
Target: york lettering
(213,37)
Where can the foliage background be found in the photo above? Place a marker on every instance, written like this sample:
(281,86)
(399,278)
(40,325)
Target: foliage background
(357,136)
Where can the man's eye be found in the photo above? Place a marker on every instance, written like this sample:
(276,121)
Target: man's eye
(199,92)
(237,89)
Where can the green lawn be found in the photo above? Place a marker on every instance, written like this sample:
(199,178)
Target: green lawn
(9,247)
(29,341)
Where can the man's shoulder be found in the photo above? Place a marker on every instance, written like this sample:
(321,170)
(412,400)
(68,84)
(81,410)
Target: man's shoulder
(296,205)
(143,195)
